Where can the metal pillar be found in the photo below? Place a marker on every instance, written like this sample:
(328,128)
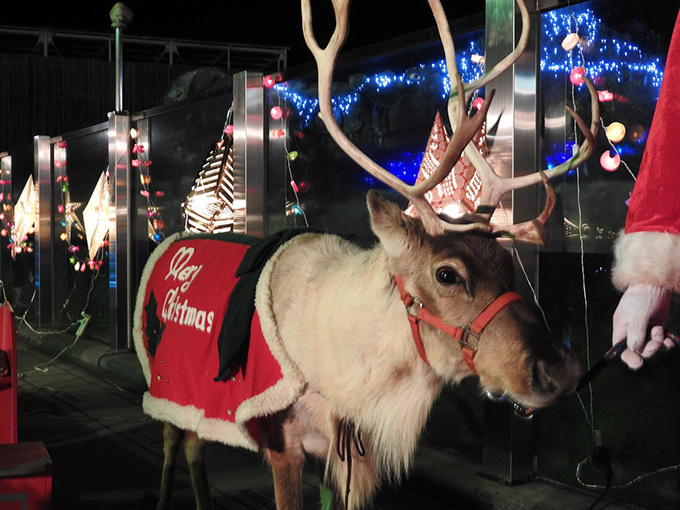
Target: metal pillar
(508,451)
(121,233)
(249,154)
(42,170)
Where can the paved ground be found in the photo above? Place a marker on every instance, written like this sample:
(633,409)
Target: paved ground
(107,454)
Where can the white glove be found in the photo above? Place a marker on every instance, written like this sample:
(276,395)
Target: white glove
(643,308)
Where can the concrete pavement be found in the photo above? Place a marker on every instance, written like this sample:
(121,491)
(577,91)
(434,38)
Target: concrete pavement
(86,407)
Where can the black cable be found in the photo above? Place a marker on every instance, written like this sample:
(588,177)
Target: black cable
(601,460)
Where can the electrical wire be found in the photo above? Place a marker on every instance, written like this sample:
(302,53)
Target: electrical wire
(637,479)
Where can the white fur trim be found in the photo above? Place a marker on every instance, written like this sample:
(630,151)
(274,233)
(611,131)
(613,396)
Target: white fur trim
(647,257)
(191,418)
(137,331)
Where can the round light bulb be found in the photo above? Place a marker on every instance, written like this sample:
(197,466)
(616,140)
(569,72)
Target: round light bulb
(576,75)
(570,42)
(276,112)
(609,162)
(615,132)
(269,81)
(637,133)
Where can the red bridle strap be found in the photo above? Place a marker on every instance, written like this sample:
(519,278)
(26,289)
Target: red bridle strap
(463,334)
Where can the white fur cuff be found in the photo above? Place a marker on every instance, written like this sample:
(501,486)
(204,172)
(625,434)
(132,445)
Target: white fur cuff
(647,257)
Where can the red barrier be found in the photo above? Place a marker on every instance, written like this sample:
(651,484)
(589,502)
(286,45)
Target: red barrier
(25,477)
(25,468)
(8,375)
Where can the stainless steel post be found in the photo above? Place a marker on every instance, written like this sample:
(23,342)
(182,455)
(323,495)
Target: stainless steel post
(42,170)
(249,154)
(121,234)
(508,445)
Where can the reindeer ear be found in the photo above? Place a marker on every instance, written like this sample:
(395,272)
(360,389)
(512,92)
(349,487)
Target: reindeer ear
(396,230)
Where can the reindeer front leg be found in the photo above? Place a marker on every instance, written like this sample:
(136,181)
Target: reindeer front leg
(172,437)
(287,470)
(194,449)
(284,451)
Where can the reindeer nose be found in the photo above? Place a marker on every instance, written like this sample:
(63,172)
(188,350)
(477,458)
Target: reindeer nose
(556,378)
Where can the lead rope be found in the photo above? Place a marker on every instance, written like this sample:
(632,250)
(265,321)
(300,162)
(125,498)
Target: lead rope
(345,436)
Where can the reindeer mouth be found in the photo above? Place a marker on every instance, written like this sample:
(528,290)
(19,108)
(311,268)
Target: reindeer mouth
(526,413)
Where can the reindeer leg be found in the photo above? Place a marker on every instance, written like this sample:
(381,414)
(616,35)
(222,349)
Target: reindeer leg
(286,456)
(194,449)
(172,437)
(287,470)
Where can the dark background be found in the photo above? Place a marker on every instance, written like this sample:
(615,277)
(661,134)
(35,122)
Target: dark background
(258,22)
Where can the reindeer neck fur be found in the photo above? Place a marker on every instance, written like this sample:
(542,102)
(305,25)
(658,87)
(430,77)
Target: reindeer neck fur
(342,323)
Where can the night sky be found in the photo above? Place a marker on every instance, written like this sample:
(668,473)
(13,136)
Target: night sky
(261,22)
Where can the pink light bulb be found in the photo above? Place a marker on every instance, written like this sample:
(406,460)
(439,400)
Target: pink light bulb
(576,75)
(269,81)
(276,112)
(608,162)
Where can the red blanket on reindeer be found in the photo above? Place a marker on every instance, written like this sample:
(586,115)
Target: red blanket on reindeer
(214,363)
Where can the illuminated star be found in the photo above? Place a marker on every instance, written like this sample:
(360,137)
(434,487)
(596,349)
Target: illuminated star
(96,215)
(24,215)
(70,215)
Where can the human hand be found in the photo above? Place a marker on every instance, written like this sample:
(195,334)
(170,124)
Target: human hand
(639,318)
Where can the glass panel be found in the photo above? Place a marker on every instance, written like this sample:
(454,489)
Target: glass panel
(624,50)
(179,141)
(387,106)
(79,288)
(18,274)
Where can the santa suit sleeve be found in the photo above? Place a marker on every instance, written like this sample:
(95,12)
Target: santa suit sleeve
(648,250)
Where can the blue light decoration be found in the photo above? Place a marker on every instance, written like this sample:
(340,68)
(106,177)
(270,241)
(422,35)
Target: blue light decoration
(406,165)
(307,107)
(627,77)
(605,55)
(608,59)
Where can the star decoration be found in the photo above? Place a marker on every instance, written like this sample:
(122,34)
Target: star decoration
(458,194)
(209,206)
(96,215)
(70,215)
(24,215)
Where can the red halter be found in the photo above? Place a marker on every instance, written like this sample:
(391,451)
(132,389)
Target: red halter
(461,334)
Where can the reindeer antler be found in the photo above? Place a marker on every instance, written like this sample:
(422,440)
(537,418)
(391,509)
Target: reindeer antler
(465,127)
(495,186)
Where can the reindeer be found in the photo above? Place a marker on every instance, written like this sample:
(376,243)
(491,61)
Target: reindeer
(369,337)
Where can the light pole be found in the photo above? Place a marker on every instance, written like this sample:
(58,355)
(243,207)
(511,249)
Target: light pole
(120,16)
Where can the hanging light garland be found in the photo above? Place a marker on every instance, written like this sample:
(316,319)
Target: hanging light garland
(6,208)
(142,163)
(279,114)
(75,238)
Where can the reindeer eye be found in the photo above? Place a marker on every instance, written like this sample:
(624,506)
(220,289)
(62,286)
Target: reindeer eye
(448,276)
